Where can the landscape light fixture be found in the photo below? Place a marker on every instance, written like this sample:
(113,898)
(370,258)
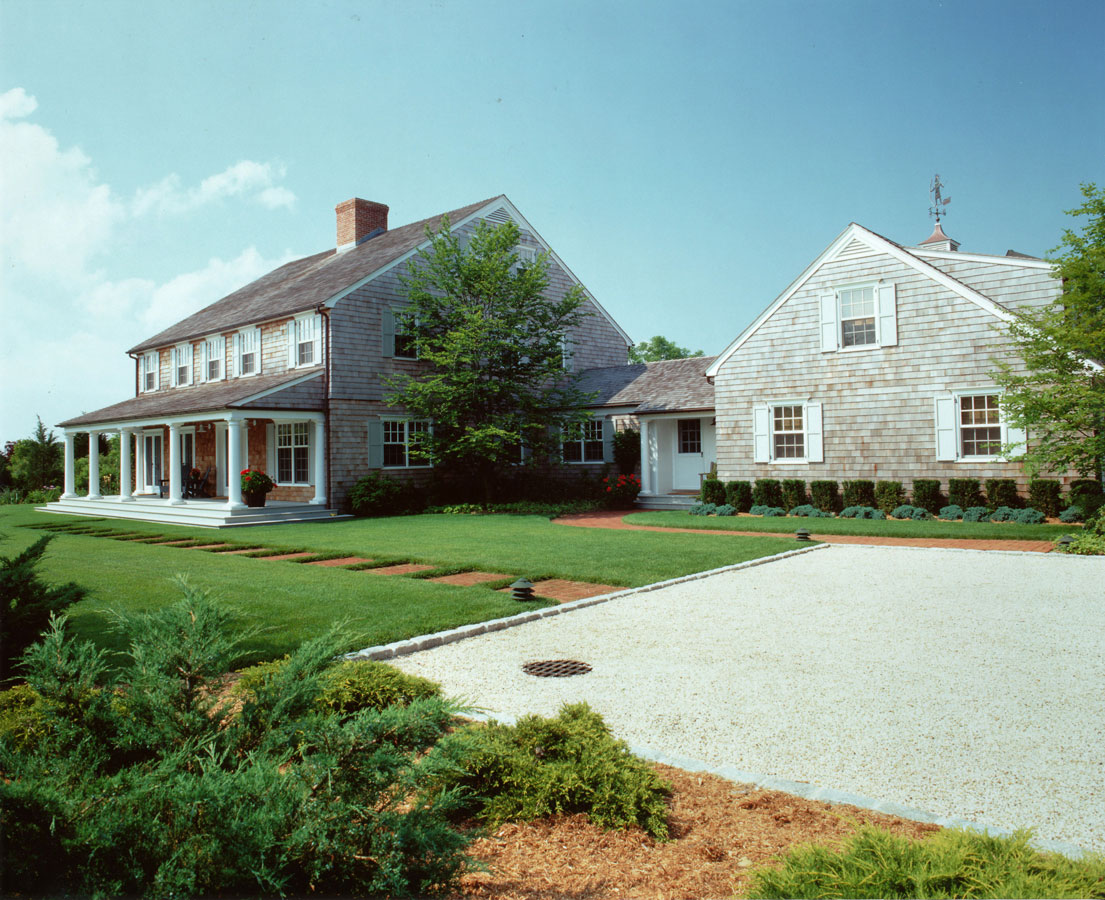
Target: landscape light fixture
(1066,540)
(522,589)
(802,534)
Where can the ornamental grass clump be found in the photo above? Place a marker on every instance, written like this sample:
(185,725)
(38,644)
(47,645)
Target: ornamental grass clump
(559,766)
(951,863)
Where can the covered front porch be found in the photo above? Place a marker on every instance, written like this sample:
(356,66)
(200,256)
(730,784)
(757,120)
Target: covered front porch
(678,450)
(203,512)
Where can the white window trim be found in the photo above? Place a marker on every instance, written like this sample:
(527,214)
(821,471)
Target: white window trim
(176,364)
(885,314)
(237,352)
(1009,434)
(274,472)
(293,331)
(205,357)
(582,440)
(406,420)
(812,432)
(150,365)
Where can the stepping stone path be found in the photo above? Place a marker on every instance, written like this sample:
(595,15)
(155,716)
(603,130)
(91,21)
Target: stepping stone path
(288,556)
(404,569)
(565,591)
(206,546)
(238,551)
(343,561)
(465,579)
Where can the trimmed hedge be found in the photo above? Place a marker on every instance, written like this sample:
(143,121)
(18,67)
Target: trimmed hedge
(1044,494)
(794,493)
(859,493)
(964,492)
(1085,493)
(767,492)
(738,494)
(713,491)
(889,495)
(926,494)
(1003,492)
(826,496)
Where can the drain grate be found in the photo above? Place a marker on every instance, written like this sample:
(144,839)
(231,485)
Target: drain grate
(556,668)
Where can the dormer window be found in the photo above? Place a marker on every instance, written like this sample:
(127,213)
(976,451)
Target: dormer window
(181,364)
(305,341)
(247,352)
(148,372)
(214,358)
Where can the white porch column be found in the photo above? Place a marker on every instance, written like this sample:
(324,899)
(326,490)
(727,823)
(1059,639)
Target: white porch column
(94,466)
(234,463)
(174,465)
(126,494)
(320,463)
(70,492)
(647,486)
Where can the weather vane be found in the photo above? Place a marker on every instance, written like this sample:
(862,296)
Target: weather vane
(939,204)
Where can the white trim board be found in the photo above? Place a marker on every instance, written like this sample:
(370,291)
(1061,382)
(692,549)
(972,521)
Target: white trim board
(882,245)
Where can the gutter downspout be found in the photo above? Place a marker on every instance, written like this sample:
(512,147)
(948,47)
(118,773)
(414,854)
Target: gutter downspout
(322,310)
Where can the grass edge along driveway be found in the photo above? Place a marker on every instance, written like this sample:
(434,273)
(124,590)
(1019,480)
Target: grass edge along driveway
(293,602)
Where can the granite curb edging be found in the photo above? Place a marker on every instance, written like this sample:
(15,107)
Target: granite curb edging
(429,641)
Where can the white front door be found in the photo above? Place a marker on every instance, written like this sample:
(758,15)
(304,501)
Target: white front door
(151,461)
(690,462)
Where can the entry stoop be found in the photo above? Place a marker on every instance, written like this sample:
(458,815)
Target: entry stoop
(203,513)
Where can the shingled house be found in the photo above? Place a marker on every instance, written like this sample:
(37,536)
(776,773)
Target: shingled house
(287,375)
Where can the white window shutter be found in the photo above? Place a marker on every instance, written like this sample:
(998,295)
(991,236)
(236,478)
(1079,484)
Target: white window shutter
(828,323)
(157,370)
(608,440)
(888,315)
(815,449)
(316,339)
(293,354)
(946,444)
(235,355)
(1018,437)
(189,362)
(375,444)
(387,332)
(173,366)
(761,437)
(270,451)
(311,453)
(203,361)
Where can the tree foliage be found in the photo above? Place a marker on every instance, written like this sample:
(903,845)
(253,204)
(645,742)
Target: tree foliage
(492,343)
(659,348)
(1060,395)
(37,461)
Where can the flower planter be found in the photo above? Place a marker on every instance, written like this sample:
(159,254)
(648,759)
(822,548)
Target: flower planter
(254,499)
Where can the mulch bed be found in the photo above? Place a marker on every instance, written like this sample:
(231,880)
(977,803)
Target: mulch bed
(720,831)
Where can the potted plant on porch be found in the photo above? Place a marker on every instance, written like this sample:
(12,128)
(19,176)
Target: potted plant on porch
(255,485)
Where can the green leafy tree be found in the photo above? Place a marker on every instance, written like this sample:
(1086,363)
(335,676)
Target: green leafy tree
(492,344)
(37,461)
(1060,395)
(659,348)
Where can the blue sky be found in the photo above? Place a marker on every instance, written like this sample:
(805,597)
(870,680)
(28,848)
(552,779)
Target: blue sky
(687,163)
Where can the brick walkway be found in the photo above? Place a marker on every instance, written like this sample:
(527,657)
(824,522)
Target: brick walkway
(565,591)
(403,569)
(287,556)
(615,519)
(341,561)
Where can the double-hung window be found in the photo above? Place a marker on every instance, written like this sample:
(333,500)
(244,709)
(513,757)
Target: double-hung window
(397,341)
(971,427)
(247,352)
(582,442)
(787,431)
(148,371)
(214,358)
(181,364)
(293,444)
(859,317)
(305,341)
(402,440)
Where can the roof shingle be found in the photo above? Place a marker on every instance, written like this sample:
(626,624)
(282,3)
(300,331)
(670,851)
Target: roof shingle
(668,386)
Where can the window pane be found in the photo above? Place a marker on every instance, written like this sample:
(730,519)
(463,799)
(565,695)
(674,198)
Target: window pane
(306,353)
(573,451)
(248,361)
(284,464)
(300,457)
(690,436)
(857,332)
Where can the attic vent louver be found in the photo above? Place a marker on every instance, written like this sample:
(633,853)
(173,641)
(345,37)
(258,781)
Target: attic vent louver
(499,216)
(855,248)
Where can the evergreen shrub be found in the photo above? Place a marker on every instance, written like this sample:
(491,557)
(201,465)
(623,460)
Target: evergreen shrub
(1071,514)
(713,491)
(725,510)
(767,492)
(905,511)
(926,494)
(976,514)
(738,494)
(951,513)
(1085,493)
(826,496)
(1003,492)
(1003,514)
(862,512)
(702,509)
(626,450)
(808,509)
(859,493)
(1044,494)
(379,495)
(889,495)
(559,766)
(794,493)
(1030,516)
(964,492)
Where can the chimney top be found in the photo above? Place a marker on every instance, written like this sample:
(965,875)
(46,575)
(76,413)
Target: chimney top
(939,241)
(359,220)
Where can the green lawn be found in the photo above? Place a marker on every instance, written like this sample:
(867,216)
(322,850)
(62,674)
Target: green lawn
(932,528)
(294,602)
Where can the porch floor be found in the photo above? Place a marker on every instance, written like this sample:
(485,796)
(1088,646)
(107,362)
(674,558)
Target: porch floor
(205,512)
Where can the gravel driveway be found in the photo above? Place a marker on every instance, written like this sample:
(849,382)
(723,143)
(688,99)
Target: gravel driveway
(969,684)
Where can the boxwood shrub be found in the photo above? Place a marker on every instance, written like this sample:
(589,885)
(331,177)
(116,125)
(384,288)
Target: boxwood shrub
(926,494)
(889,495)
(951,513)
(767,492)
(713,491)
(859,493)
(826,496)
(794,493)
(1002,492)
(964,492)
(738,494)
(1044,495)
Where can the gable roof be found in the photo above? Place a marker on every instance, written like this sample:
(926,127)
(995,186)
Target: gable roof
(233,393)
(668,386)
(857,234)
(306,283)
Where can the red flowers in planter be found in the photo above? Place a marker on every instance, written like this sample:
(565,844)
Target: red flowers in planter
(254,481)
(622,491)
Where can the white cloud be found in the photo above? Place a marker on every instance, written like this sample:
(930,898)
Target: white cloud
(69,319)
(245,178)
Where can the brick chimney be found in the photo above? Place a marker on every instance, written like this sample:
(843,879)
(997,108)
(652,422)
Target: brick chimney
(358,220)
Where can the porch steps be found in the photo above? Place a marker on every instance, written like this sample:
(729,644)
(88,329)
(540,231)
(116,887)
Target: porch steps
(677,500)
(202,513)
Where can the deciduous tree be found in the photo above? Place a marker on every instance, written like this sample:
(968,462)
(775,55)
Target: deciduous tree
(659,348)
